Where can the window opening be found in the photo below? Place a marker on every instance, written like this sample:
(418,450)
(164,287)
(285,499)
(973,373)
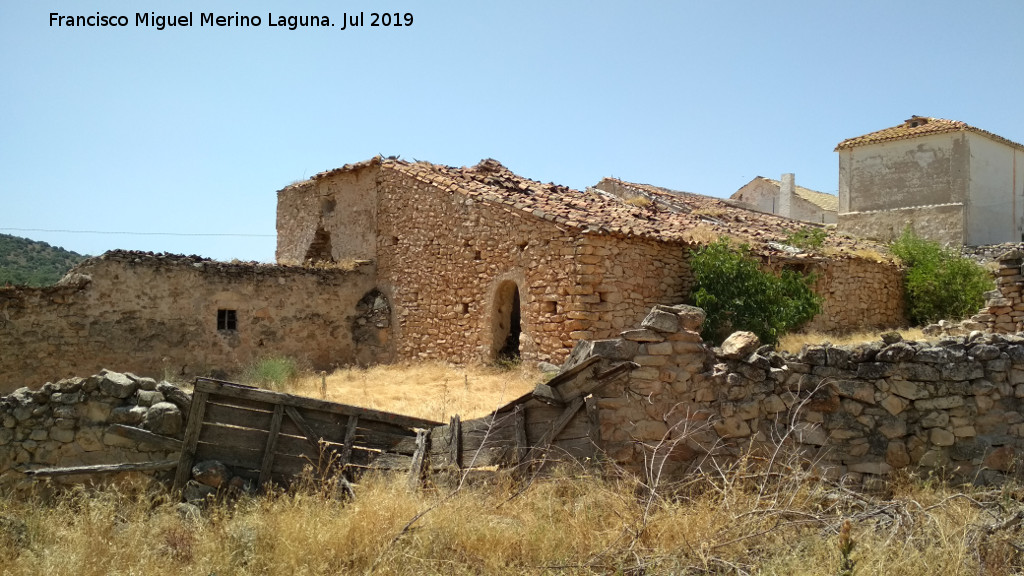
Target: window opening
(227,319)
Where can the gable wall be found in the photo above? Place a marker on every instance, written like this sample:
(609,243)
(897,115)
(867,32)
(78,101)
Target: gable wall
(996,201)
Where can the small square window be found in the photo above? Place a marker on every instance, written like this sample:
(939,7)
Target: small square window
(227,319)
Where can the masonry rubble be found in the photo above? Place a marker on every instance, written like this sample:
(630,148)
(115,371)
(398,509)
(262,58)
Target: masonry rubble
(66,423)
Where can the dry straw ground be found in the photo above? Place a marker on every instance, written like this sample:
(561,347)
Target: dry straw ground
(753,517)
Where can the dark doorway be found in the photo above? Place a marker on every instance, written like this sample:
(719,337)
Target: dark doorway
(507,322)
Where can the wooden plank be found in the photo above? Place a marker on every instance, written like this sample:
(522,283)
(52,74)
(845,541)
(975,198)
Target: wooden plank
(188,447)
(235,416)
(556,428)
(455,442)
(231,456)
(416,466)
(312,403)
(104,468)
(522,444)
(140,435)
(268,452)
(388,461)
(594,420)
(578,449)
(350,438)
(311,435)
(240,403)
(233,437)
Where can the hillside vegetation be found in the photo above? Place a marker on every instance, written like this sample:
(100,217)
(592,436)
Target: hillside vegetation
(27,262)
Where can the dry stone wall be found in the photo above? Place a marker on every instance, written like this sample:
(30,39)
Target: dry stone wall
(66,423)
(159,315)
(952,407)
(443,258)
(858,294)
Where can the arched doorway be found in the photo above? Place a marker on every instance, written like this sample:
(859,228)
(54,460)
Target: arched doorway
(506,322)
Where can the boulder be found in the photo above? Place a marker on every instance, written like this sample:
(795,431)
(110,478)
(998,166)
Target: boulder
(163,418)
(740,345)
(117,385)
(211,473)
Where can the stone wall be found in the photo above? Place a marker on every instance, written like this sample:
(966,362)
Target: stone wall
(442,259)
(943,223)
(66,424)
(859,294)
(159,315)
(953,406)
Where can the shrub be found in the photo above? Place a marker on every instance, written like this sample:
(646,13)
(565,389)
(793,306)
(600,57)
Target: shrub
(273,372)
(737,295)
(939,284)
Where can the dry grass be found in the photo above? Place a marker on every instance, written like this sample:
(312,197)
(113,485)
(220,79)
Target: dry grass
(640,201)
(734,521)
(433,390)
(794,342)
(702,234)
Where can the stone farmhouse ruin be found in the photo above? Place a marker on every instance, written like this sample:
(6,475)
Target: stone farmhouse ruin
(388,259)
(479,262)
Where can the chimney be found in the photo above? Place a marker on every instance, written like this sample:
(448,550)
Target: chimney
(786,187)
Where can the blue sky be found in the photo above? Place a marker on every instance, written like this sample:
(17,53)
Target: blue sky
(193,130)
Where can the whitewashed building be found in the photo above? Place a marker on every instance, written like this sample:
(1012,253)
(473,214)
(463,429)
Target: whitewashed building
(949,181)
(785,198)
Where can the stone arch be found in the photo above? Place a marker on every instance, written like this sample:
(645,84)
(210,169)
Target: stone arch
(506,322)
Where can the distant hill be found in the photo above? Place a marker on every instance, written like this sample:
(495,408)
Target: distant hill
(29,263)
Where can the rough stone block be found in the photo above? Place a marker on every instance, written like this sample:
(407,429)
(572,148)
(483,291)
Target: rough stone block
(117,385)
(739,345)
(163,418)
(732,427)
(661,321)
(908,390)
(894,404)
(941,437)
(944,403)
(642,335)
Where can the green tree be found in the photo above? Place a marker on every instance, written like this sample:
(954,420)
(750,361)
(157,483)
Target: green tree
(939,284)
(737,295)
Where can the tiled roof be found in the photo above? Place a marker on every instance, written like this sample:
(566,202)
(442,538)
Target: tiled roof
(661,214)
(822,200)
(920,126)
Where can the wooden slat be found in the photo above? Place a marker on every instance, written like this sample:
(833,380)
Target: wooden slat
(350,438)
(312,403)
(188,447)
(556,428)
(311,435)
(416,466)
(104,468)
(235,416)
(522,444)
(233,436)
(254,405)
(231,456)
(140,435)
(594,420)
(455,442)
(268,452)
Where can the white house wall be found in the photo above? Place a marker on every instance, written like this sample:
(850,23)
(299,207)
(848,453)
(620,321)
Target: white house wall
(924,171)
(996,200)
